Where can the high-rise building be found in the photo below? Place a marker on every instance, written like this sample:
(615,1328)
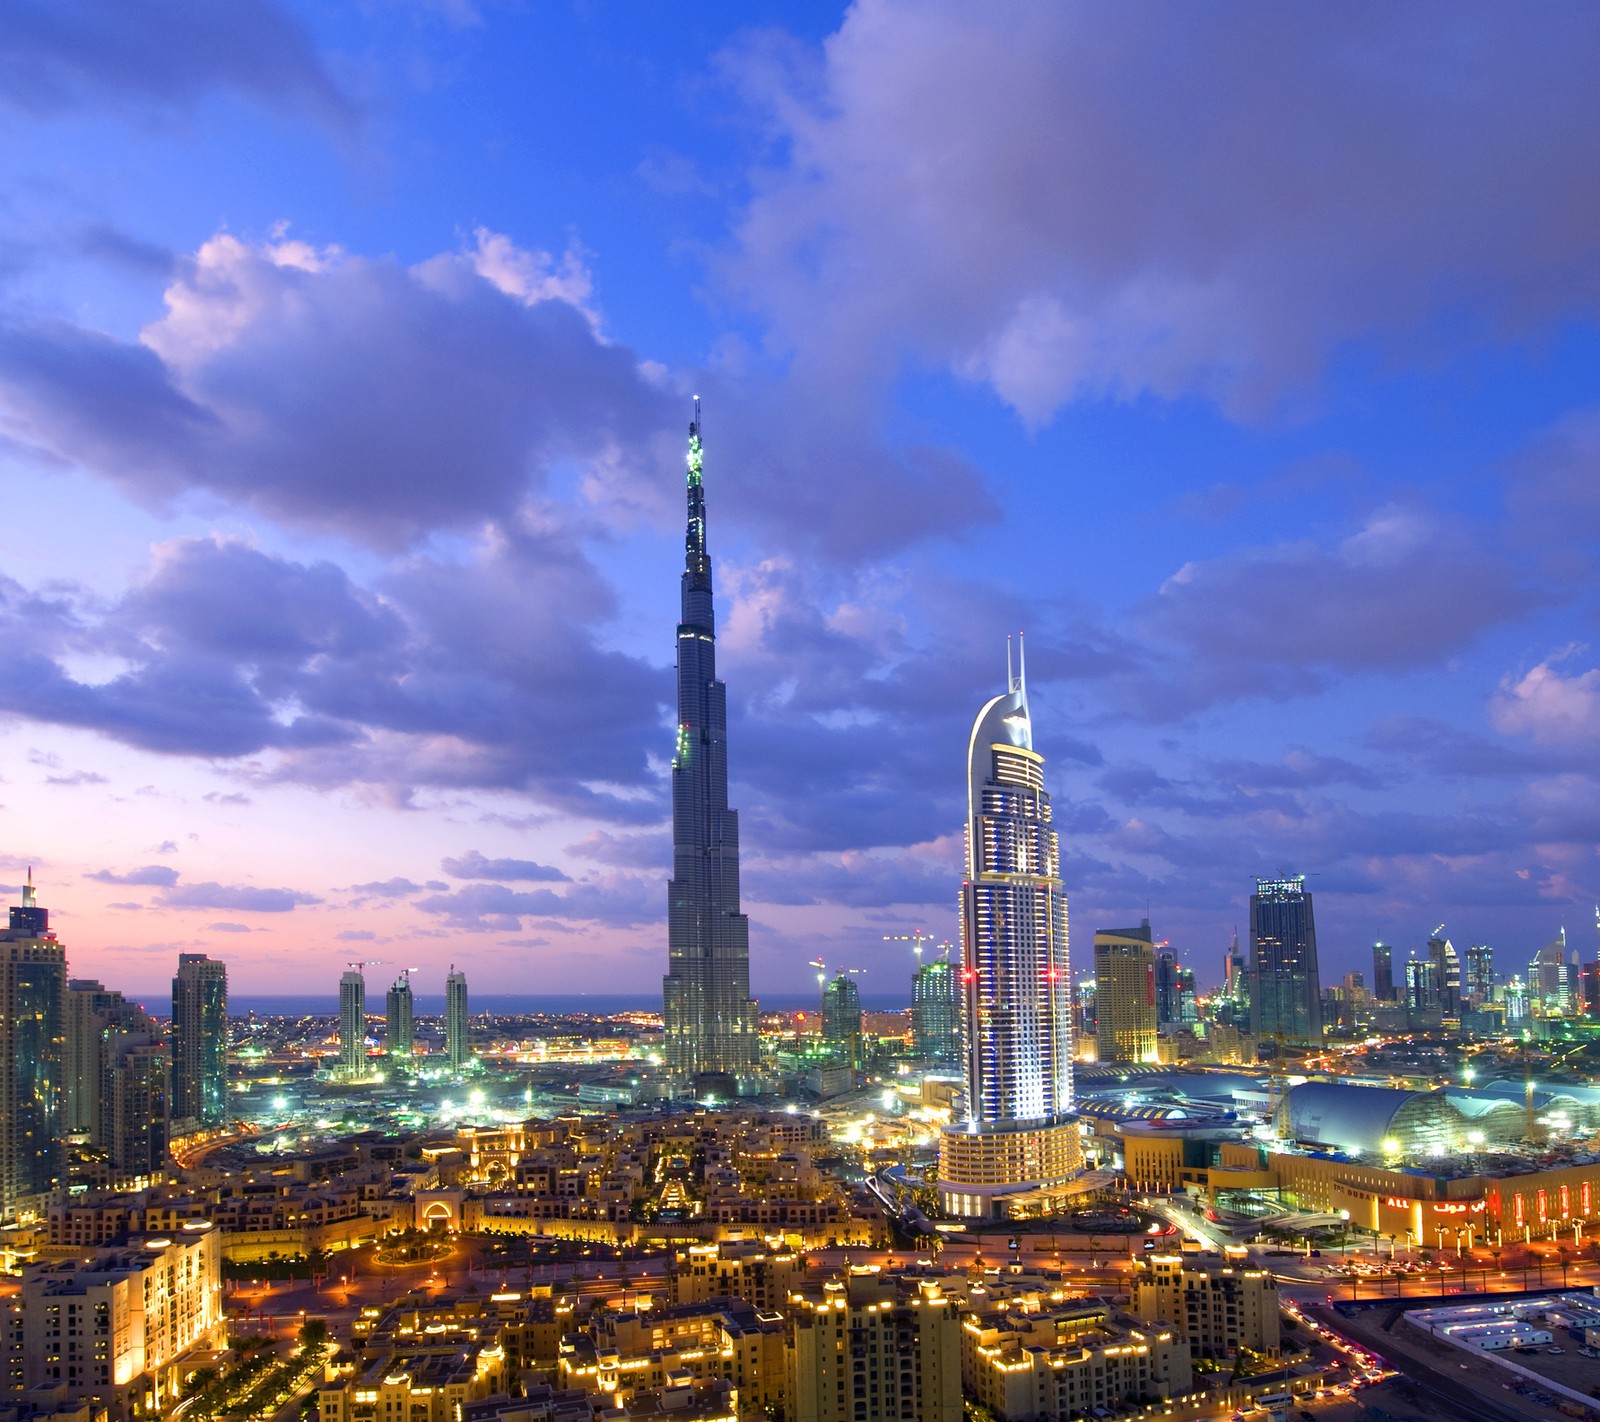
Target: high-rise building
(1125,994)
(1442,954)
(134,1081)
(1175,996)
(841,1019)
(90,1009)
(1020,1133)
(1478,974)
(457,1034)
(1383,972)
(710,1018)
(1553,979)
(1423,993)
(353,1024)
(1221,1308)
(1285,989)
(399,1037)
(936,1012)
(33,984)
(199,1042)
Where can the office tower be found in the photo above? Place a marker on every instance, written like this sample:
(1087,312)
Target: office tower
(936,1012)
(1514,998)
(1085,1014)
(1423,993)
(90,1010)
(1442,954)
(710,1019)
(841,1019)
(1125,994)
(134,1078)
(1383,972)
(1553,979)
(399,1038)
(457,1037)
(909,1331)
(1016,1012)
(199,1042)
(1589,989)
(33,984)
(353,1023)
(1478,974)
(1285,990)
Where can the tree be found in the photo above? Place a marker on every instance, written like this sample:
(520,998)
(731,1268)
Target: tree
(313,1334)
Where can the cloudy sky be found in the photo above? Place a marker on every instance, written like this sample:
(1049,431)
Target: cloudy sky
(1246,356)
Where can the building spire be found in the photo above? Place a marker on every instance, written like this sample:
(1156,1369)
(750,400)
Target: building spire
(696,563)
(28,899)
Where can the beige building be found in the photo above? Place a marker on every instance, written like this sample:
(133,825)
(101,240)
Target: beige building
(1217,1306)
(113,1328)
(1067,1360)
(423,1386)
(758,1271)
(866,1347)
(1125,995)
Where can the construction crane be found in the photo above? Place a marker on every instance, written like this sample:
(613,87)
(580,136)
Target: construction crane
(361,963)
(917,939)
(405,974)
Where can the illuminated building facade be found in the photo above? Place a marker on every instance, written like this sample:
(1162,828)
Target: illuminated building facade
(457,1033)
(1285,988)
(710,1019)
(1383,972)
(1020,1134)
(200,1041)
(1125,995)
(112,1327)
(936,1012)
(841,1019)
(33,982)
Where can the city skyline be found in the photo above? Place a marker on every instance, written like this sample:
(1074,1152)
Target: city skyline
(341,392)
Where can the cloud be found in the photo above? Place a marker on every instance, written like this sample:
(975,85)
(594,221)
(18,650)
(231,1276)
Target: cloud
(1066,201)
(60,55)
(387,889)
(1550,706)
(240,898)
(340,392)
(472,865)
(1405,589)
(151,876)
(230,927)
(355,935)
(620,901)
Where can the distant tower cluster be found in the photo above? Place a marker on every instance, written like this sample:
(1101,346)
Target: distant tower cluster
(712,1045)
(399,1010)
(1019,1134)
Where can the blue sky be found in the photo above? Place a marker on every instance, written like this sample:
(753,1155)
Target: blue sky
(1243,356)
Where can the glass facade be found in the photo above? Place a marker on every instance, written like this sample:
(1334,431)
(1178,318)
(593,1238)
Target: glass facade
(457,1032)
(33,981)
(200,1040)
(1285,988)
(936,1013)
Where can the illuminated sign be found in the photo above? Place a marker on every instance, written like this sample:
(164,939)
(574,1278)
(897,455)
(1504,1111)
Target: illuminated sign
(1397,1202)
(1459,1208)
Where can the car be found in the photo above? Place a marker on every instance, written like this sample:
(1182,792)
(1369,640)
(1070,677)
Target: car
(1555,1350)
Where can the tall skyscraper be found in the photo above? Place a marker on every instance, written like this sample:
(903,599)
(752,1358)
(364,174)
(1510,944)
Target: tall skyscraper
(33,984)
(1125,994)
(400,1037)
(1424,994)
(1478,974)
(353,1023)
(199,1042)
(457,1036)
(133,1099)
(1383,972)
(710,1019)
(1553,979)
(936,1012)
(1442,954)
(1016,1010)
(90,1010)
(841,1018)
(1285,989)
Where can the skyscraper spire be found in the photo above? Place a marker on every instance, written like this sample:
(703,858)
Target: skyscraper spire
(710,1020)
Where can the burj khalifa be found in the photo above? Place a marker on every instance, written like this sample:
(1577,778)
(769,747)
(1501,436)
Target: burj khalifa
(710,1018)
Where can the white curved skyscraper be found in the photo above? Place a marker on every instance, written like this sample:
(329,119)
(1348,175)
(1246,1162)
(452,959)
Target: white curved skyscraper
(1020,1135)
